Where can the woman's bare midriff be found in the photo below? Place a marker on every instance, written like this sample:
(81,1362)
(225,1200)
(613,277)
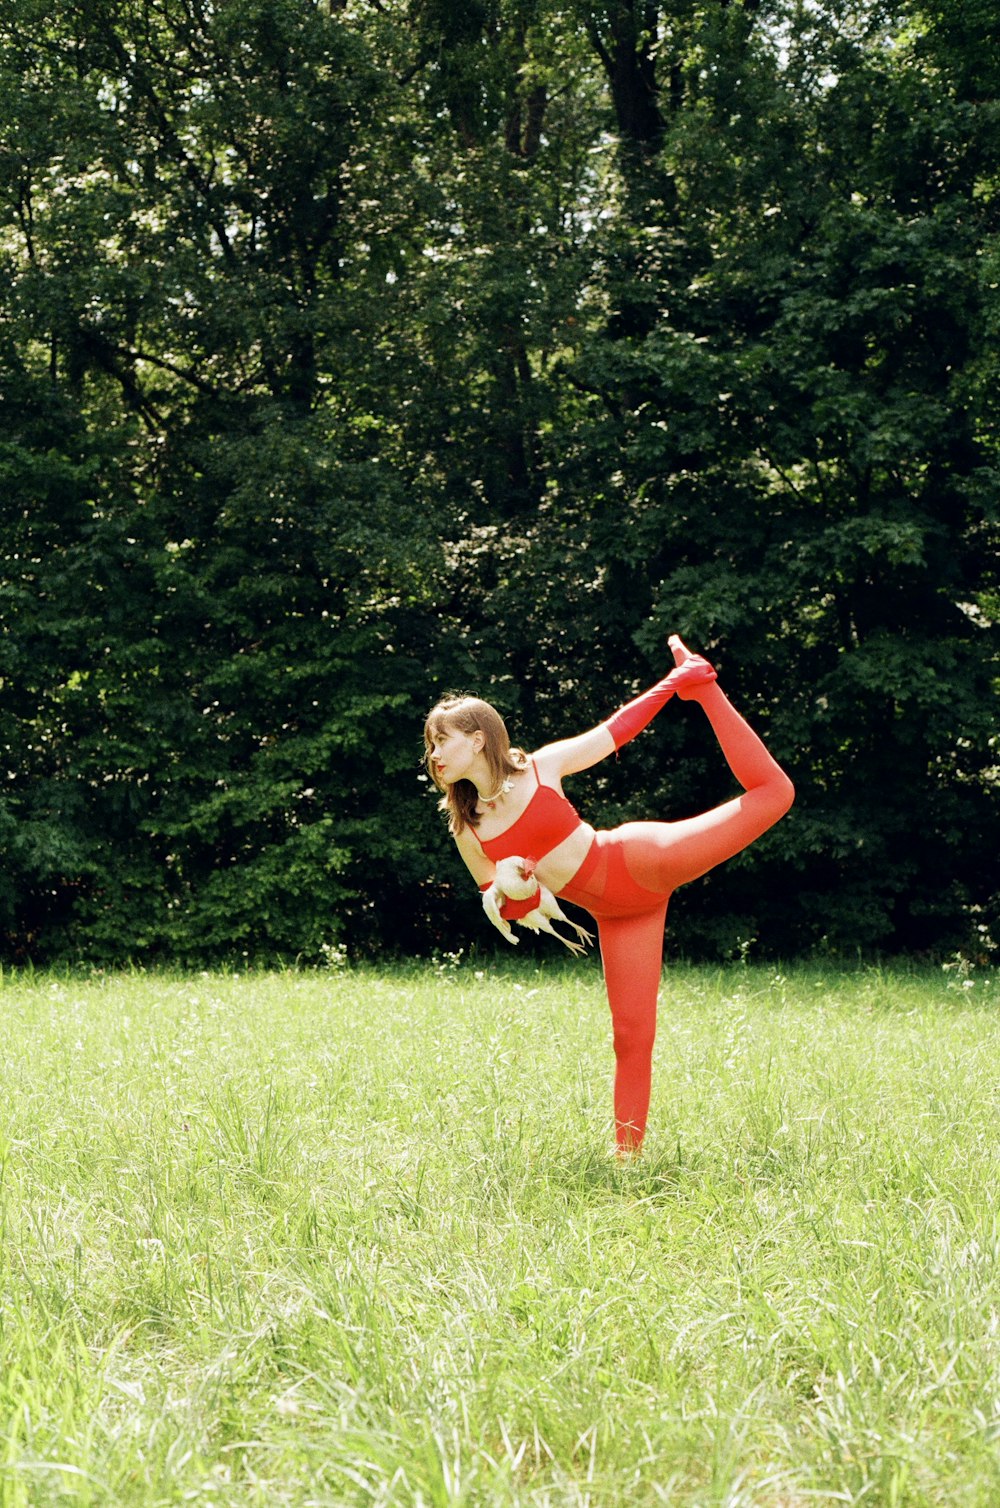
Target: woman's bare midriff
(561,863)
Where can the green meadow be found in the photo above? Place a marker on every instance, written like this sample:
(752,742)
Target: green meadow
(355,1237)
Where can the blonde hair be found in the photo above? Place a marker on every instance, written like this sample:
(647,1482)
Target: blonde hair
(469,714)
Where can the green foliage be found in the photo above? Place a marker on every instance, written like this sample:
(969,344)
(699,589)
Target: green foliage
(351,354)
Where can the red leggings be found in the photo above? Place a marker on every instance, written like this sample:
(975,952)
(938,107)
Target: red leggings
(626,880)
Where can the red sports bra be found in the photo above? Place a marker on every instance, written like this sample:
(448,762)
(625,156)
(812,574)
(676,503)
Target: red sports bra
(547,820)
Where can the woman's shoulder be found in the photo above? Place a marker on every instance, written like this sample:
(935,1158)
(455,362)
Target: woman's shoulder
(473,855)
(467,841)
(547,765)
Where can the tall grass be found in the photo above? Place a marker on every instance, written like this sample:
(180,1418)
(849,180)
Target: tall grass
(356,1238)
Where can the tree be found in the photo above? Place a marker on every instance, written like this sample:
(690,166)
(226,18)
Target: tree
(356,352)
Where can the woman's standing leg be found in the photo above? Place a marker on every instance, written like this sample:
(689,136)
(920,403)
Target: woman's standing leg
(632,955)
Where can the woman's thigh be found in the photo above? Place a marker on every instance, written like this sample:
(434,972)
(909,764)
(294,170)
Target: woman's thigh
(662,855)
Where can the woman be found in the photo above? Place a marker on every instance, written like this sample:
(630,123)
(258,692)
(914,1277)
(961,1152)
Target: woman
(501,803)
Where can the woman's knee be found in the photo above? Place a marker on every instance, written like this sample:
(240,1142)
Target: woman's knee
(778,797)
(634,1039)
(784,795)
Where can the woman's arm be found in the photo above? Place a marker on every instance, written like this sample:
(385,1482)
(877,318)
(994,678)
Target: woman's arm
(483,871)
(571,755)
(574,754)
(479,866)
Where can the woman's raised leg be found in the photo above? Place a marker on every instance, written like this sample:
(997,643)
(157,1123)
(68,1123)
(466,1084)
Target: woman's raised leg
(663,855)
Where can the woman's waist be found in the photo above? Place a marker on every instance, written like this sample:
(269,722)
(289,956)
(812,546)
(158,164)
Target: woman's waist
(561,864)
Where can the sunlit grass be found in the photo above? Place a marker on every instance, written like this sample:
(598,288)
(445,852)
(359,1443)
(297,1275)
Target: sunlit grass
(356,1238)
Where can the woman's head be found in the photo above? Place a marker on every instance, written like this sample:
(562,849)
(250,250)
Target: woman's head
(480,730)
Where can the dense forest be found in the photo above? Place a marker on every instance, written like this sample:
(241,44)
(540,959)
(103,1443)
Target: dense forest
(355,351)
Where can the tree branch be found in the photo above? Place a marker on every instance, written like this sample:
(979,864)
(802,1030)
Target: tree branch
(168,366)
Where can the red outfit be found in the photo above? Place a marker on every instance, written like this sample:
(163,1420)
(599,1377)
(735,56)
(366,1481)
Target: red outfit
(547,820)
(629,873)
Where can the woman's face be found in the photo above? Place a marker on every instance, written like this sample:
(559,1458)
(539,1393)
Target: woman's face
(454,752)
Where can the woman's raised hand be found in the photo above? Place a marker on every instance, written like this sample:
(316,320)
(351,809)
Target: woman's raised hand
(691,672)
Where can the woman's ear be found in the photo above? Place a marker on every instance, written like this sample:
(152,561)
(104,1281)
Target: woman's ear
(479,740)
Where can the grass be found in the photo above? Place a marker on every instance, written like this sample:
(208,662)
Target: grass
(356,1238)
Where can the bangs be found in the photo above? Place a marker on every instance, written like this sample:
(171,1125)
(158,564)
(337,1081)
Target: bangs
(435,724)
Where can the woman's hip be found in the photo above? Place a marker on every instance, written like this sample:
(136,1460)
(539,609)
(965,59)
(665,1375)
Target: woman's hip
(605,884)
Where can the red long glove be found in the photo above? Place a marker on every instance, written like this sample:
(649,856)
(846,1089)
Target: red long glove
(512,911)
(629,720)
